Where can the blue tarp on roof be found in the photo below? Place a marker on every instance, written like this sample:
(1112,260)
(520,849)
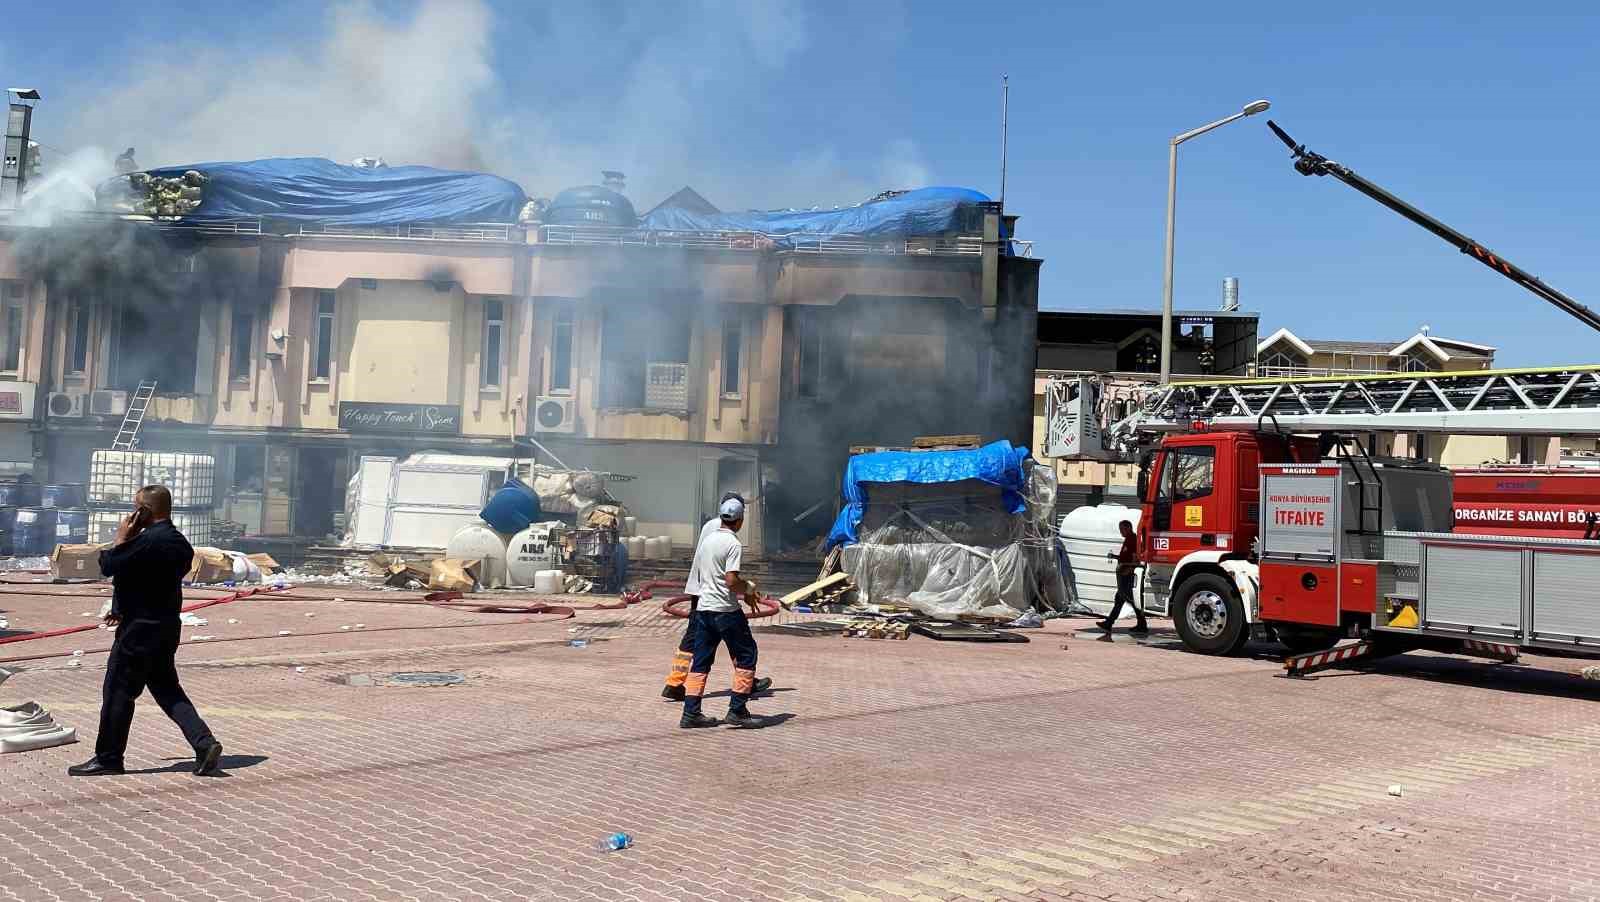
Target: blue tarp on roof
(920,213)
(314,190)
(997,463)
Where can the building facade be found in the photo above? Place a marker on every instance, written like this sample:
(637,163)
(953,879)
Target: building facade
(695,364)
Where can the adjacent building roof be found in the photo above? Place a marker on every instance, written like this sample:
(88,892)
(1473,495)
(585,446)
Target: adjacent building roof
(1441,348)
(686,198)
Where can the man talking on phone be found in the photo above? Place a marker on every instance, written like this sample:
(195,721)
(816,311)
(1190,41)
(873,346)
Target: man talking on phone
(146,563)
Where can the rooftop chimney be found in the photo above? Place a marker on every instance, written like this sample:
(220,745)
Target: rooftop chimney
(14,166)
(1230,294)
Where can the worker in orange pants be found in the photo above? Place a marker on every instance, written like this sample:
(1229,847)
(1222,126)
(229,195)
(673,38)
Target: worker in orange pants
(673,691)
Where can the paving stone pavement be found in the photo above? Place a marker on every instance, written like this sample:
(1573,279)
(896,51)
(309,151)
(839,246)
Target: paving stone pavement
(1060,769)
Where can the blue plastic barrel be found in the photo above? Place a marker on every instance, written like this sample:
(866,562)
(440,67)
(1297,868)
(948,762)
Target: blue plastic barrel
(66,494)
(19,494)
(512,509)
(35,532)
(8,523)
(72,526)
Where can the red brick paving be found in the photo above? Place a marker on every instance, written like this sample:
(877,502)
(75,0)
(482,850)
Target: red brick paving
(909,770)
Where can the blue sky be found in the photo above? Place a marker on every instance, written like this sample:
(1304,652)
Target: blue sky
(1478,113)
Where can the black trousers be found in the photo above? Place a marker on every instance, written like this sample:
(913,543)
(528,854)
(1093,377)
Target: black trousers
(1125,596)
(686,644)
(142,658)
(711,629)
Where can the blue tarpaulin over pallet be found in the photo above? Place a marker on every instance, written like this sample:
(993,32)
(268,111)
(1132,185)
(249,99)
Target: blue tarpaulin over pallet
(314,190)
(997,463)
(925,212)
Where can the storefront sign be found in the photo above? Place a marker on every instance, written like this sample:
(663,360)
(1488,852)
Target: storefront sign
(369,416)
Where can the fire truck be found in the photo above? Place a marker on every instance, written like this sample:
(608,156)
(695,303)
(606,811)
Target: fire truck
(1265,516)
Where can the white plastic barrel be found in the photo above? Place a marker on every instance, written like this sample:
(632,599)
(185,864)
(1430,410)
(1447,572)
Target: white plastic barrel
(630,526)
(529,552)
(1088,534)
(477,542)
(664,547)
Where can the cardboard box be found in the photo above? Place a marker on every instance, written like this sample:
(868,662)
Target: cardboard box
(76,562)
(453,575)
(210,566)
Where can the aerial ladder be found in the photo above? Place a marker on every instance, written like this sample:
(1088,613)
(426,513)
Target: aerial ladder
(1081,422)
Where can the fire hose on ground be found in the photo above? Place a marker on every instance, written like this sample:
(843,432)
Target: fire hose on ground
(443,600)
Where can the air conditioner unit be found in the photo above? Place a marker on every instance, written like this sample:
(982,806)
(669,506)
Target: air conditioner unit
(106,403)
(65,404)
(555,414)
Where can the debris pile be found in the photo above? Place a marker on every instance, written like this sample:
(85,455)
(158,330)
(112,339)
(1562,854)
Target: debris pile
(150,195)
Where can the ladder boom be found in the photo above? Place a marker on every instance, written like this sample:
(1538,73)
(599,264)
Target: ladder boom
(1308,163)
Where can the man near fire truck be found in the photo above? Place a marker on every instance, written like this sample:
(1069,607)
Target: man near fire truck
(1127,567)
(673,690)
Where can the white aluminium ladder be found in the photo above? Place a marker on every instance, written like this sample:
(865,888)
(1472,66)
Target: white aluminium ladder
(128,435)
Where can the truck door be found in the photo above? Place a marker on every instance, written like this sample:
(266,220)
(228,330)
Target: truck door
(1183,515)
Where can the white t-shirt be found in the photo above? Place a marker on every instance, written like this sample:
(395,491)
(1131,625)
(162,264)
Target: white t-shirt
(719,555)
(692,586)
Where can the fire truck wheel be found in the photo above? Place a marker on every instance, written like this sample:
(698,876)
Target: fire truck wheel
(1209,615)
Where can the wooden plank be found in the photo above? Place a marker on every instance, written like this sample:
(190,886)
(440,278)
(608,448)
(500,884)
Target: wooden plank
(936,441)
(827,582)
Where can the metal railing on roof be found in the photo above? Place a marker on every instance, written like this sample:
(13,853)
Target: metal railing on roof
(484,231)
(1293,372)
(962,245)
(241,226)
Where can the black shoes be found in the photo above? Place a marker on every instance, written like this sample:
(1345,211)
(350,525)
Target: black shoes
(206,760)
(93,768)
(696,721)
(743,720)
(762,684)
(1104,625)
(1140,630)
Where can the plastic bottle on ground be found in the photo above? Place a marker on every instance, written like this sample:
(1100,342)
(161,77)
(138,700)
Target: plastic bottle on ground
(613,842)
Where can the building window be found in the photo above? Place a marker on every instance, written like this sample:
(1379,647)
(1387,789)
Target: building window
(1414,363)
(810,362)
(1282,363)
(561,350)
(494,327)
(13,300)
(249,466)
(78,351)
(732,346)
(240,356)
(633,336)
(323,358)
(1190,474)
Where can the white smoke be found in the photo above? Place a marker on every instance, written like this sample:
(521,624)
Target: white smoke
(652,90)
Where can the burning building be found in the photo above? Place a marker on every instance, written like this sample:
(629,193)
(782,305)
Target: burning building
(296,315)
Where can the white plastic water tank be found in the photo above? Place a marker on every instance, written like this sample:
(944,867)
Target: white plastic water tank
(477,542)
(635,546)
(530,552)
(630,526)
(549,582)
(664,547)
(1088,534)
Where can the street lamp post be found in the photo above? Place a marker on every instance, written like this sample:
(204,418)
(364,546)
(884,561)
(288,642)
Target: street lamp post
(1250,109)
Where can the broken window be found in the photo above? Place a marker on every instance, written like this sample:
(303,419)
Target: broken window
(323,355)
(249,465)
(13,299)
(78,350)
(633,336)
(732,346)
(561,349)
(493,332)
(809,364)
(242,344)
(157,339)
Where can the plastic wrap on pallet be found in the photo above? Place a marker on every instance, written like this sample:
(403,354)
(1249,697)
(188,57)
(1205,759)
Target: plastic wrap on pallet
(949,580)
